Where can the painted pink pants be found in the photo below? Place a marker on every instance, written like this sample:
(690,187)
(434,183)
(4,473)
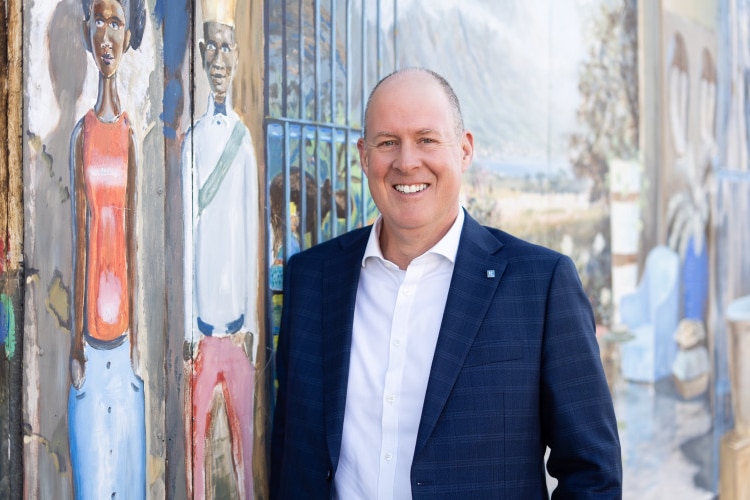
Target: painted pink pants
(224,363)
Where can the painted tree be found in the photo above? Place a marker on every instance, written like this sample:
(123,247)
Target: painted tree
(608,86)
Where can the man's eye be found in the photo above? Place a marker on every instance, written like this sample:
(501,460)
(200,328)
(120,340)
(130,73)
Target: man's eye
(427,140)
(99,23)
(226,48)
(210,46)
(114,25)
(386,144)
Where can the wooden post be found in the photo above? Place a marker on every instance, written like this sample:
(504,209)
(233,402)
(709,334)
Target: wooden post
(11,239)
(735,444)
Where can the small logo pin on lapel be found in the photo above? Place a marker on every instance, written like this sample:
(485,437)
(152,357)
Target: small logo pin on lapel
(490,273)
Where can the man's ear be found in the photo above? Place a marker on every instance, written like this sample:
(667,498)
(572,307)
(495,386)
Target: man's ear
(202,50)
(126,41)
(362,148)
(467,148)
(86,35)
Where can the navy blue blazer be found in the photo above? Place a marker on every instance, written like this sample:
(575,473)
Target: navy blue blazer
(516,370)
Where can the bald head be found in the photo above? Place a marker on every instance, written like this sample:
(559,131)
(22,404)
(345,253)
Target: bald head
(431,75)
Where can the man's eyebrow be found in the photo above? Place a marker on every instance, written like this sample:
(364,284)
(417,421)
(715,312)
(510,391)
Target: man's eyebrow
(423,131)
(382,135)
(114,17)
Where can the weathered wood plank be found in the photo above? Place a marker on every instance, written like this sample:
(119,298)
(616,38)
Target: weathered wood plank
(11,246)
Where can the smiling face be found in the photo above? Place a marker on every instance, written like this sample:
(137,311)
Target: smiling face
(219,52)
(106,35)
(414,156)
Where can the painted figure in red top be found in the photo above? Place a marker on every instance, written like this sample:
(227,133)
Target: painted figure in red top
(106,420)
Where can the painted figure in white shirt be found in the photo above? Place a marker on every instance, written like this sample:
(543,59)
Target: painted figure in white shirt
(220,195)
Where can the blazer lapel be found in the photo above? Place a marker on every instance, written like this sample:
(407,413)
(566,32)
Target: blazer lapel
(340,279)
(476,275)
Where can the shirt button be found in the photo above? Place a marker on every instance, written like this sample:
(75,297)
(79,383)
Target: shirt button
(391,398)
(397,343)
(388,457)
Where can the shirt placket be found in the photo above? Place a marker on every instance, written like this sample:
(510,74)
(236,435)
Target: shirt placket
(394,379)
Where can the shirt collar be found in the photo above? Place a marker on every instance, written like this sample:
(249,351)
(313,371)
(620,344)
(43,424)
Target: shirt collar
(211,111)
(447,246)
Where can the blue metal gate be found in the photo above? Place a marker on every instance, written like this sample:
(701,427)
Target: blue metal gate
(322,57)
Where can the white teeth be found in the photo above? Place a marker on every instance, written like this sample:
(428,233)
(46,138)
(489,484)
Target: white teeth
(410,188)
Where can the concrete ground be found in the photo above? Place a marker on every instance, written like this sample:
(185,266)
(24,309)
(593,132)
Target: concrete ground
(669,444)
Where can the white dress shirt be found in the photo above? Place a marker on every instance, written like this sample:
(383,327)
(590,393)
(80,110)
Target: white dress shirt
(397,319)
(222,248)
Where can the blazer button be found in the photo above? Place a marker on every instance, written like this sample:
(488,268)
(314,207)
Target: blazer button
(329,475)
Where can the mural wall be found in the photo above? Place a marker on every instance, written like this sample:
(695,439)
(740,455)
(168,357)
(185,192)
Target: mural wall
(173,155)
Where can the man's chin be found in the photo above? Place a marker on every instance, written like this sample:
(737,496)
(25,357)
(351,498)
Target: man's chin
(219,88)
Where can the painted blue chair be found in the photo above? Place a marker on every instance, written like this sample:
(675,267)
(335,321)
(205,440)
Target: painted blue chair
(651,314)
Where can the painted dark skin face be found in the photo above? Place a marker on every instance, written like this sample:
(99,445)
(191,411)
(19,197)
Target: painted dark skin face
(106,35)
(219,53)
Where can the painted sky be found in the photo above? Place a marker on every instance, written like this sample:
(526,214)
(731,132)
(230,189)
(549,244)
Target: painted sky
(513,63)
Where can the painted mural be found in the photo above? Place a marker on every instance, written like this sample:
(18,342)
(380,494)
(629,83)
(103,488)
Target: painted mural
(106,419)
(175,154)
(222,256)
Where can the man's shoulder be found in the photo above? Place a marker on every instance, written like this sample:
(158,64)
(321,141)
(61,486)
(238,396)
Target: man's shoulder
(351,241)
(201,121)
(196,129)
(238,123)
(515,242)
(203,131)
(231,117)
(512,246)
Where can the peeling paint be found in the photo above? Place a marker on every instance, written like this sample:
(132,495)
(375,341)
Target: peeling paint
(55,455)
(7,325)
(58,301)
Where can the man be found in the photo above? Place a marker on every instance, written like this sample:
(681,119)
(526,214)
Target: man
(428,356)
(221,260)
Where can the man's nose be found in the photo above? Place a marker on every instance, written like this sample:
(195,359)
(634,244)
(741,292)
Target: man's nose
(217,63)
(107,39)
(408,156)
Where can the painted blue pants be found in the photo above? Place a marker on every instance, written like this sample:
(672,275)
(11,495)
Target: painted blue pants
(107,429)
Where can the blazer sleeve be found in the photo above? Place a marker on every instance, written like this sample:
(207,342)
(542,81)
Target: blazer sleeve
(578,419)
(281,361)
(300,461)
